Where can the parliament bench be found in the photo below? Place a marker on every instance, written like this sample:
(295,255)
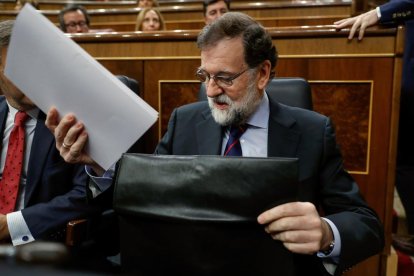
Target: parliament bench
(340,8)
(129,26)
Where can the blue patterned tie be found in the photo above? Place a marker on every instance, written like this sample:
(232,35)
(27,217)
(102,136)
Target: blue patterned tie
(233,147)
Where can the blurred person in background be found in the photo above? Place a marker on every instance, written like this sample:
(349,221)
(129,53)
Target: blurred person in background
(150,19)
(74,19)
(213,9)
(21,3)
(147,3)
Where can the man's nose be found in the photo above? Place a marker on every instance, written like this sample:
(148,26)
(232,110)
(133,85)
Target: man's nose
(78,29)
(212,89)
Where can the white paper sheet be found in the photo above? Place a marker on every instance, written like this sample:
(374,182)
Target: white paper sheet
(52,70)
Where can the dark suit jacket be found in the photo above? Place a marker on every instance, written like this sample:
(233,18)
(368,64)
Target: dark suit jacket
(402,11)
(55,190)
(294,132)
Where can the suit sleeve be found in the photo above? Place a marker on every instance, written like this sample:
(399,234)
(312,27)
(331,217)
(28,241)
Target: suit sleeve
(397,11)
(47,218)
(359,227)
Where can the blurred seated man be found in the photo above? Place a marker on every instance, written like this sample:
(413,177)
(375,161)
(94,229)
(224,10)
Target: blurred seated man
(39,192)
(21,3)
(74,19)
(213,9)
(239,118)
(147,3)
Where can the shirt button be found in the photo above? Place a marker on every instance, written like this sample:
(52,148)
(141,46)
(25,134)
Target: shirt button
(25,238)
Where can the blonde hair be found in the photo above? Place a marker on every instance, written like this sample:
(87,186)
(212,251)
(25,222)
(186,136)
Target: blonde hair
(141,16)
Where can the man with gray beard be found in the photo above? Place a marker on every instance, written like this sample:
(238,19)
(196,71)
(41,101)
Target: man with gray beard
(237,62)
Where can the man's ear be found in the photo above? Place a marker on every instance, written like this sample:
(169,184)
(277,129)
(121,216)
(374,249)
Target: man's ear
(3,53)
(263,74)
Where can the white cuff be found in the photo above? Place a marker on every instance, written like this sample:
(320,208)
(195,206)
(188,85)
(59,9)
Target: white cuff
(99,184)
(19,231)
(337,247)
(378,12)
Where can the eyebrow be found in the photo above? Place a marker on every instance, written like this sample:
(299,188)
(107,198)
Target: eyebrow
(218,73)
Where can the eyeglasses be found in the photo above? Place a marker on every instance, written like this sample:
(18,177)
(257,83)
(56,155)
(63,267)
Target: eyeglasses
(74,24)
(221,81)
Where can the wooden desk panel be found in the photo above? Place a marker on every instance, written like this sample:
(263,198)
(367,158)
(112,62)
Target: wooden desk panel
(89,5)
(60,4)
(341,8)
(129,26)
(355,83)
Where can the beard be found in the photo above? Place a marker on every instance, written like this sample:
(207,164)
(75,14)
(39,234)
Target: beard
(236,113)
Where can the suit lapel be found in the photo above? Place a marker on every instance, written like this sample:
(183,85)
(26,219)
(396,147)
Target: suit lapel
(283,138)
(209,135)
(3,118)
(43,141)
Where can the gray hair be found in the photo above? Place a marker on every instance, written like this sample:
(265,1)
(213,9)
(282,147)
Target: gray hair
(257,42)
(6,28)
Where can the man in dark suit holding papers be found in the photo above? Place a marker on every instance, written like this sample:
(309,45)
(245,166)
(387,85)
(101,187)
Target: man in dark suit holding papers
(49,191)
(237,61)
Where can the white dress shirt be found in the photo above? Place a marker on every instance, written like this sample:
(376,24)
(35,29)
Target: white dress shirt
(19,231)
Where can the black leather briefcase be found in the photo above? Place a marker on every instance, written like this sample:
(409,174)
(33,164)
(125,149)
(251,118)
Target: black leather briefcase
(197,215)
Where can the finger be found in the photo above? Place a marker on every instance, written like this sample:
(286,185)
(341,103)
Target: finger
(344,23)
(290,209)
(362,32)
(72,134)
(302,248)
(52,119)
(299,236)
(353,29)
(297,223)
(276,213)
(74,154)
(62,128)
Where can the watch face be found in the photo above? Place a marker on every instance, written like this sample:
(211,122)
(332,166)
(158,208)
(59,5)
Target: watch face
(331,247)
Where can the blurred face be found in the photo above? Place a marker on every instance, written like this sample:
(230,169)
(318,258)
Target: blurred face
(151,21)
(235,103)
(75,22)
(13,95)
(145,3)
(214,11)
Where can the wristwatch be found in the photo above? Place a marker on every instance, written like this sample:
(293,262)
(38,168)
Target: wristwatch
(330,248)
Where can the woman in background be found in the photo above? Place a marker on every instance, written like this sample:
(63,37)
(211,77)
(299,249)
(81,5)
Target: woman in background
(150,19)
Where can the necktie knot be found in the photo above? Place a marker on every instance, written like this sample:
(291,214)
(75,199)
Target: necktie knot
(20,118)
(233,147)
(237,131)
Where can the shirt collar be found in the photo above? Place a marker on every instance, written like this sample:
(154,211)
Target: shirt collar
(33,113)
(260,118)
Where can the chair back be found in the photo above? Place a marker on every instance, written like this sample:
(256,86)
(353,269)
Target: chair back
(289,91)
(130,83)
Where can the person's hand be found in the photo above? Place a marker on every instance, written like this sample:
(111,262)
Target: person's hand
(71,138)
(360,22)
(298,226)
(4,229)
